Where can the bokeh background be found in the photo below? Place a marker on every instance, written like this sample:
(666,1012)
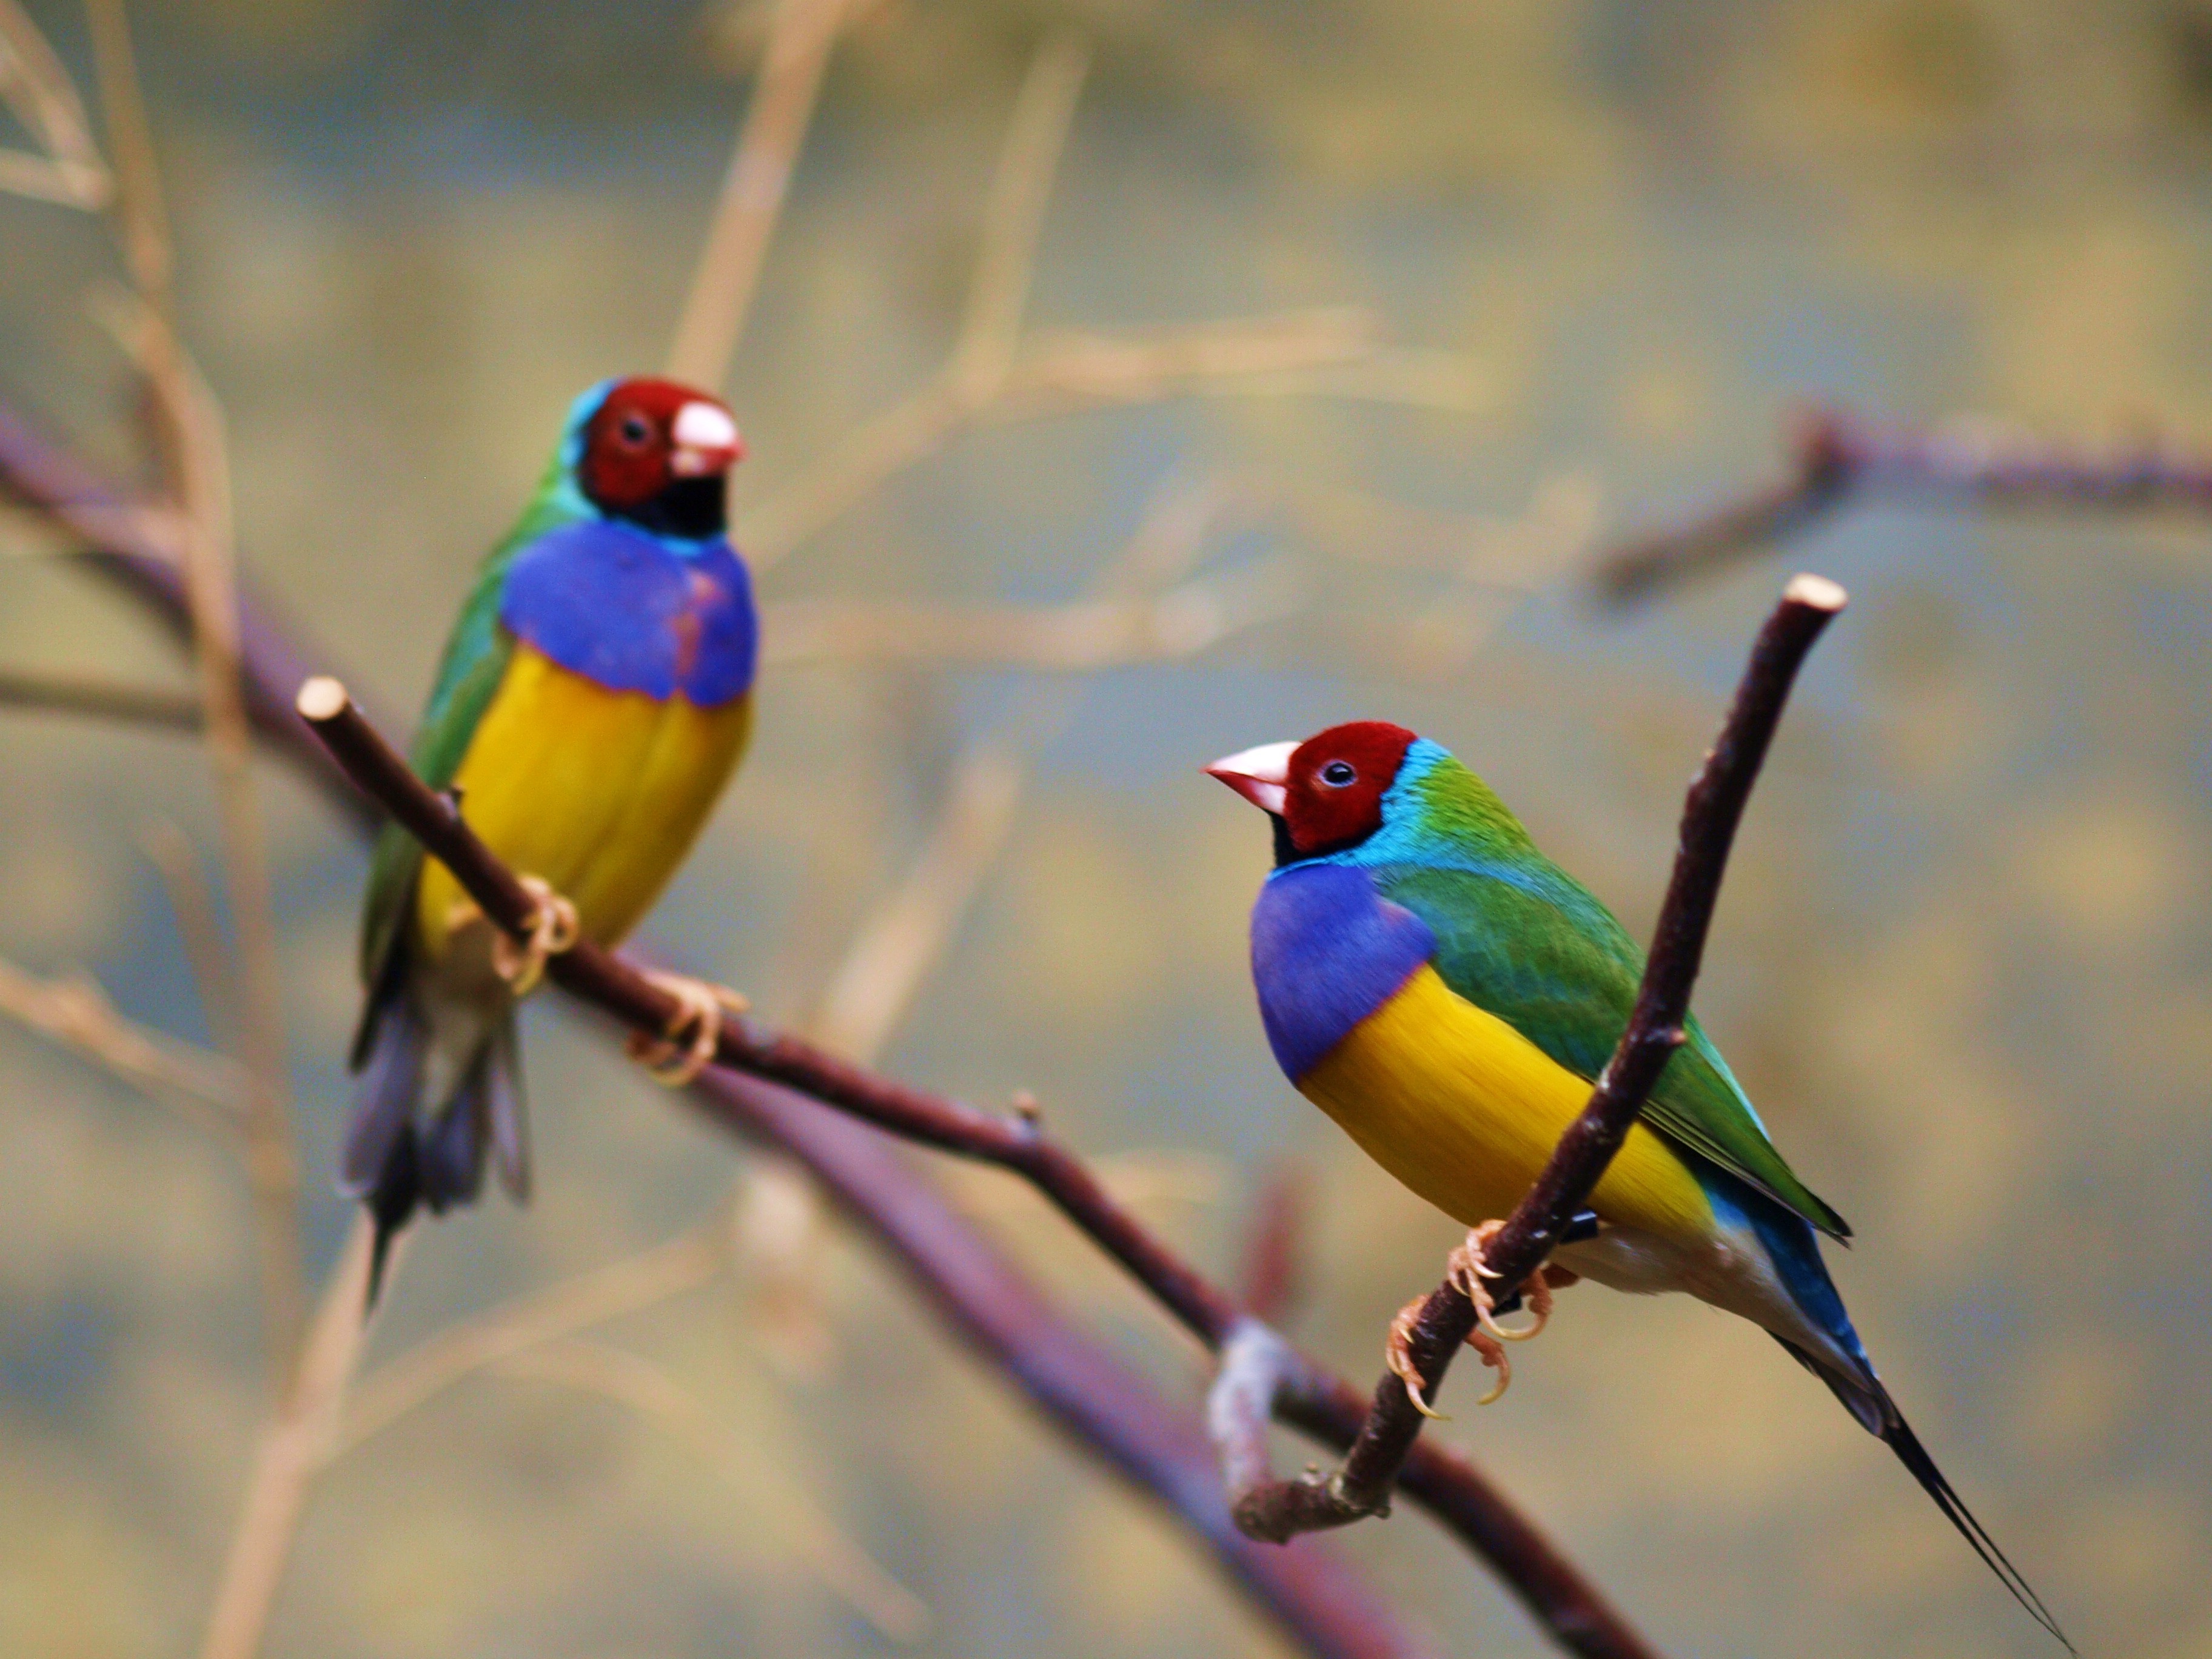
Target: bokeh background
(1964,961)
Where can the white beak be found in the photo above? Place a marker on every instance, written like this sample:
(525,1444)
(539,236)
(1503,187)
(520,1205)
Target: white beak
(1261,776)
(707,441)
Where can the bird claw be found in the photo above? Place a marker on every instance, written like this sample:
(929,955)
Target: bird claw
(1467,1271)
(554,927)
(687,1044)
(1398,1355)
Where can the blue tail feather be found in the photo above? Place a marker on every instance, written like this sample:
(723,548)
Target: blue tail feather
(1795,1253)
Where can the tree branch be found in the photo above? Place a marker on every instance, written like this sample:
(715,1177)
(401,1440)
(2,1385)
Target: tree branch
(1836,459)
(1014,1141)
(1254,1364)
(974,1287)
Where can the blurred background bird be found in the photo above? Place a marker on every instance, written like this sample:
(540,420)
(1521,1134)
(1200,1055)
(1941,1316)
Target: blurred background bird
(592,700)
(1448,995)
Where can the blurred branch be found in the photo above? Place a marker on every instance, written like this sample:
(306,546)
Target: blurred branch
(1013,217)
(1274,1248)
(190,435)
(1080,637)
(1834,459)
(33,84)
(172,852)
(797,1522)
(1062,374)
(81,694)
(559,1310)
(293,1447)
(1553,1590)
(133,545)
(1155,1443)
(728,272)
(1256,1363)
(207,1089)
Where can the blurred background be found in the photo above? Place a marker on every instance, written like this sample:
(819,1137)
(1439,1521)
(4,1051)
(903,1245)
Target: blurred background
(1445,298)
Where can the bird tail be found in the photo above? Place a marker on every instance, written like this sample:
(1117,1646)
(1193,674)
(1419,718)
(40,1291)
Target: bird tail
(398,1157)
(1867,1399)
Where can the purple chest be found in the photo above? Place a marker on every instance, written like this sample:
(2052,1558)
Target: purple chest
(628,612)
(1327,951)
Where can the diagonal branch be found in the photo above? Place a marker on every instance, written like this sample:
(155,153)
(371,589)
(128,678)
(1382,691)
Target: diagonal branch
(728,273)
(1015,1142)
(981,1293)
(1280,1510)
(1835,458)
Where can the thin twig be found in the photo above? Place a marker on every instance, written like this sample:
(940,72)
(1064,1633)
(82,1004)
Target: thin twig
(401,1385)
(1280,1509)
(799,1524)
(293,1445)
(172,852)
(1323,1404)
(207,1089)
(1062,374)
(101,699)
(189,430)
(728,273)
(35,86)
(1835,458)
(1014,218)
(1274,1247)
(1080,637)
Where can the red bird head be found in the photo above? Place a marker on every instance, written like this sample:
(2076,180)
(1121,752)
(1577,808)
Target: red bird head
(659,455)
(1325,793)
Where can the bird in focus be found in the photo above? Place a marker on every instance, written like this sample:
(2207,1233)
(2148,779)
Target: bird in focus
(594,697)
(1448,995)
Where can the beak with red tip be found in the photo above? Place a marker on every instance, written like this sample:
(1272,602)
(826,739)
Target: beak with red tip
(1261,776)
(706,441)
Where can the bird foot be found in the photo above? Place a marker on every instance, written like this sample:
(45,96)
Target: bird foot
(1466,1271)
(554,927)
(687,1043)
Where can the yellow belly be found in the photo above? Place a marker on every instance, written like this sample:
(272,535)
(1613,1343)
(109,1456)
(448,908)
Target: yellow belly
(600,793)
(1465,1110)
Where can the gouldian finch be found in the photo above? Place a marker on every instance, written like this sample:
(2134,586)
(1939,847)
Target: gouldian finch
(594,698)
(1448,995)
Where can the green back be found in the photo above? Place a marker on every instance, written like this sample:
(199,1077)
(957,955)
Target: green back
(1520,937)
(469,676)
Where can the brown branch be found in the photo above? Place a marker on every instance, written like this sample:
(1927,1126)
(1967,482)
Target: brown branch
(1274,1250)
(105,700)
(1014,1142)
(1361,1487)
(728,272)
(1835,458)
(293,1445)
(984,1296)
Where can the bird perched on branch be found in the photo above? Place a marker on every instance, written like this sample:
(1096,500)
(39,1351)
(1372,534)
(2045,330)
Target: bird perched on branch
(594,698)
(1448,995)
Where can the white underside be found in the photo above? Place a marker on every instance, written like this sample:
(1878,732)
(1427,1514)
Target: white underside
(1733,1272)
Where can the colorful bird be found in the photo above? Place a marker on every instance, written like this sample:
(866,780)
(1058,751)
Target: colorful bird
(1447,993)
(594,698)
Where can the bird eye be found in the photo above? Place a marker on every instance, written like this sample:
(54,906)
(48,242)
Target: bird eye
(635,430)
(1337,775)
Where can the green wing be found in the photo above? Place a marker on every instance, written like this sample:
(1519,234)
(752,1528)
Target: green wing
(469,675)
(1525,941)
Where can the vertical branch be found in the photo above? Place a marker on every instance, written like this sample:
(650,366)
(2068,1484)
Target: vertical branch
(189,433)
(35,85)
(293,1447)
(728,272)
(1013,217)
(1281,1509)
